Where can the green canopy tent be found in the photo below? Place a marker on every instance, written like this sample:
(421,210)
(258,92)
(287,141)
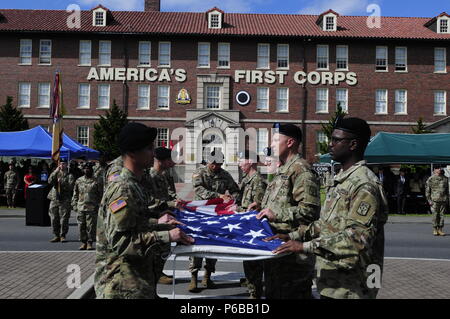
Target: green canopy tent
(395,148)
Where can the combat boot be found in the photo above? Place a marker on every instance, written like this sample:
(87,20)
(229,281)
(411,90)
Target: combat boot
(440,232)
(165,280)
(207,282)
(55,240)
(193,284)
(63,239)
(89,246)
(435,232)
(83,246)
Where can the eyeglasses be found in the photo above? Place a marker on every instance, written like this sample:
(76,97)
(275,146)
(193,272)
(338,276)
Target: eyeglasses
(335,140)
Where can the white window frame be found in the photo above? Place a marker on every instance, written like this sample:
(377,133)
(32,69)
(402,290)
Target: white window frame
(398,102)
(262,140)
(278,110)
(102,19)
(338,59)
(377,57)
(160,97)
(325,22)
(224,57)
(102,96)
(80,62)
(260,56)
(88,106)
(20,94)
(327,100)
(260,98)
(440,26)
(165,54)
(41,52)
(320,57)
(147,97)
(212,22)
(106,53)
(345,107)
(46,95)
(141,53)
(84,137)
(444,60)
(282,58)
(206,54)
(159,140)
(444,103)
(386,101)
(25,54)
(397,58)
(206,97)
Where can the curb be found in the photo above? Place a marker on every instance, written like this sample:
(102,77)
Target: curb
(85,291)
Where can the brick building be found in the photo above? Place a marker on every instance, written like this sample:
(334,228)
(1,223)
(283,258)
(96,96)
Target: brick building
(225,72)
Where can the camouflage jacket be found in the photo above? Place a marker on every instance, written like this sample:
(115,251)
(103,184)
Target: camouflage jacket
(100,173)
(209,185)
(64,191)
(349,236)
(293,196)
(436,189)
(252,190)
(11,179)
(172,189)
(113,170)
(87,194)
(126,246)
(161,185)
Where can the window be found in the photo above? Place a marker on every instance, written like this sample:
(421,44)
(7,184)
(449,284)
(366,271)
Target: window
(215,20)
(203,55)
(83,135)
(381,63)
(262,100)
(143,97)
(213,97)
(44,95)
(322,101)
(26,50)
(99,19)
(342,99)
(24,94)
(443,26)
(440,103)
(283,56)
(321,138)
(330,23)
(263,56)
(224,55)
(163,96)
(103,96)
(440,61)
(84,95)
(104,53)
(342,57)
(144,53)
(45,52)
(282,100)
(381,102)
(401,59)
(262,140)
(85,52)
(400,102)
(164,54)
(163,137)
(322,57)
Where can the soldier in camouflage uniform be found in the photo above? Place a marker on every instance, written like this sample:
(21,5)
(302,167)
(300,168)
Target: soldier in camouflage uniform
(436,192)
(60,197)
(126,242)
(87,194)
(348,239)
(11,184)
(210,182)
(252,190)
(100,170)
(291,199)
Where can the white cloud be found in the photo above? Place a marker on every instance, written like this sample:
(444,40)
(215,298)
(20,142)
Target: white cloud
(344,7)
(120,5)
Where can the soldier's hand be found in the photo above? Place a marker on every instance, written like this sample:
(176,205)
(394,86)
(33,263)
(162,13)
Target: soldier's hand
(291,246)
(180,203)
(226,197)
(164,219)
(254,206)
(269,214)
(178,236)
(283,237)
(175,222)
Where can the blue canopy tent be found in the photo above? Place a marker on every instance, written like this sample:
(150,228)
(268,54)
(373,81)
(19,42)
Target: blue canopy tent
(37,142)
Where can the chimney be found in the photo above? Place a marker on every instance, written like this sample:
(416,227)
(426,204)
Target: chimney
(152,5)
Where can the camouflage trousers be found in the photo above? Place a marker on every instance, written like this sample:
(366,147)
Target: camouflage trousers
(254,273)
(59,214)
(11,196)
(438,209)
(195,264)
(87,226)
(288,278)
(160,260)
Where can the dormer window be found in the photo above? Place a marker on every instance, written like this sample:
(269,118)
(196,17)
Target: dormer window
(443,25)
(215,18)
(99,16)
(330,23)
(439,24)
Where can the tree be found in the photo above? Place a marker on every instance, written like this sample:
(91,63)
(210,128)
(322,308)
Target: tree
(11,118)
(328,129)
(420,128)
(106,132)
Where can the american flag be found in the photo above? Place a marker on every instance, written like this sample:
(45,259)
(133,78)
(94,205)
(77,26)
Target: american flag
(56,112)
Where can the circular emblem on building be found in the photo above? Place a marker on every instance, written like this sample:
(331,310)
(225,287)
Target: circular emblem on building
(243,98)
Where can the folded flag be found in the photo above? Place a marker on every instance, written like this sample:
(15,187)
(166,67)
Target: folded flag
(215,206)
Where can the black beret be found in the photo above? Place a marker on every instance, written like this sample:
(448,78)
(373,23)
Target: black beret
(216,157)
(162,153)
(135,136)
(87,165)
(289,130)
(353,125)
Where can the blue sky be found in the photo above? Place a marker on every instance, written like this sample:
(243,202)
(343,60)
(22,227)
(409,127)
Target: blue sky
(398,8)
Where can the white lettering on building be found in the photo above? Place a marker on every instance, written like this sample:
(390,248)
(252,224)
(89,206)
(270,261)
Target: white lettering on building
(136,75)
